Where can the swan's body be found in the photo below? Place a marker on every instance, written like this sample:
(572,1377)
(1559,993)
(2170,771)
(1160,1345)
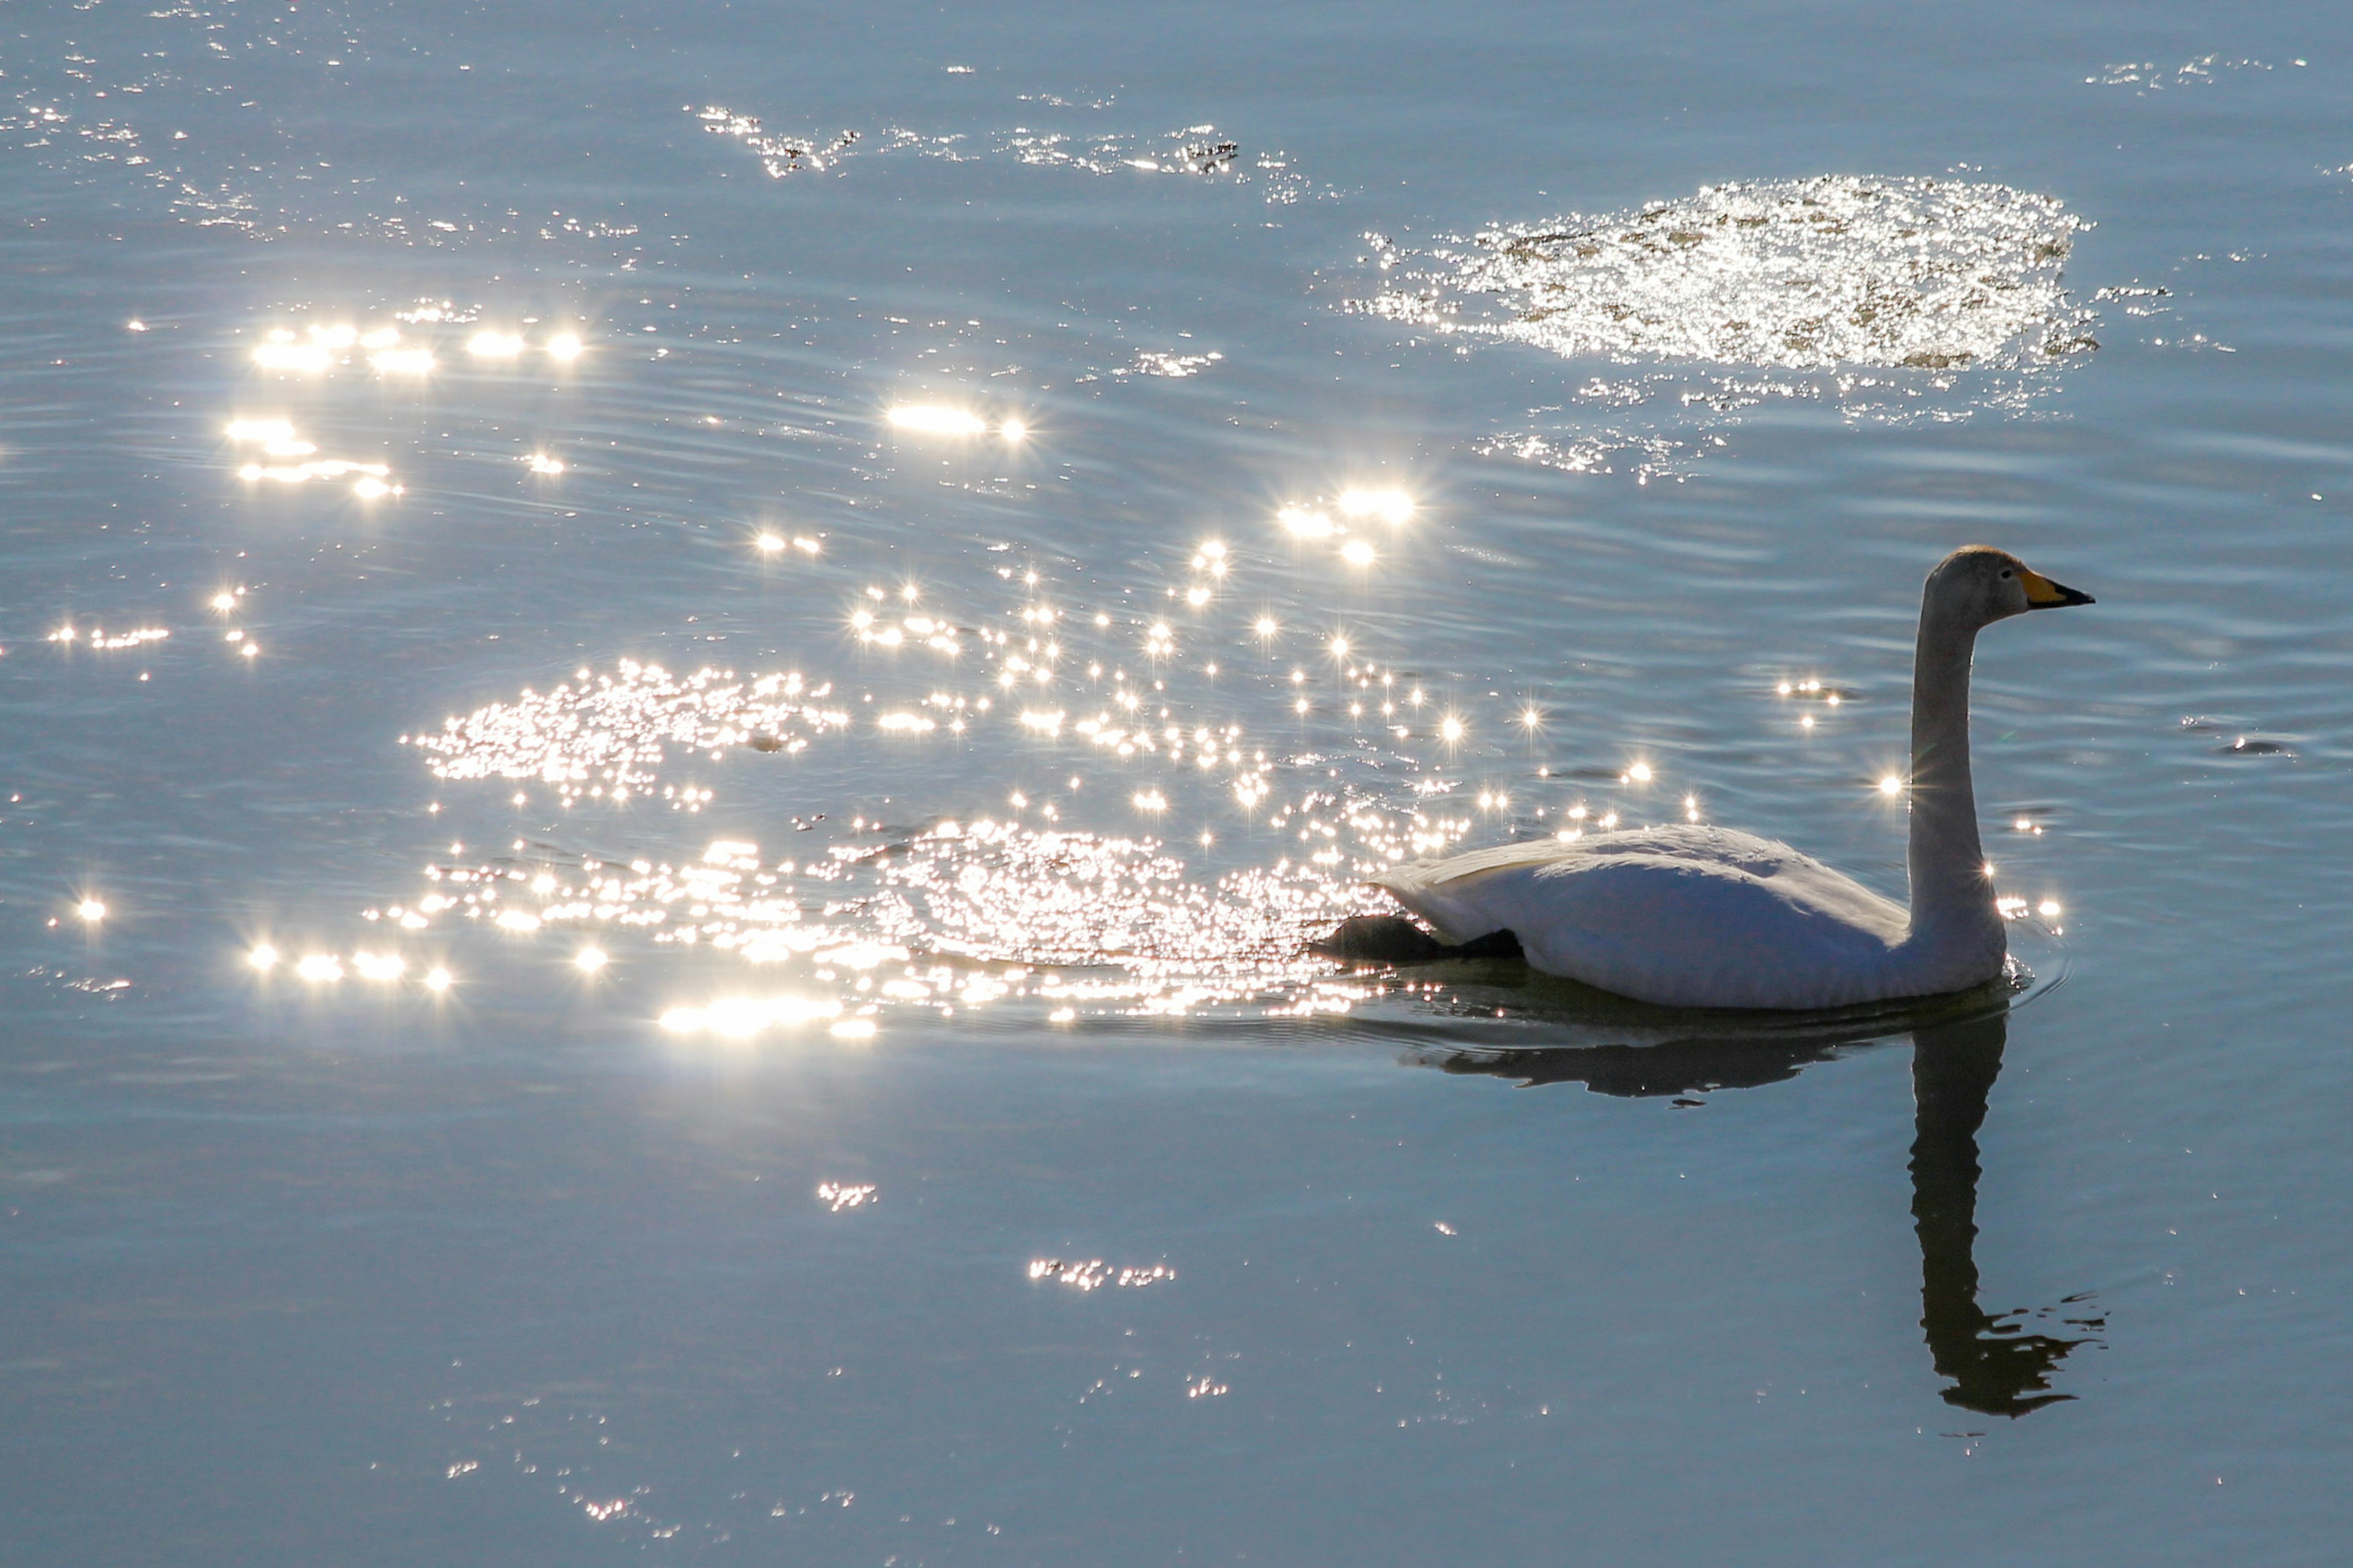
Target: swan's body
(1702,917)
(1692,916)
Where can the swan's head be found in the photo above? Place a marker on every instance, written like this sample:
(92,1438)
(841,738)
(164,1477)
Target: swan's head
(1977,585)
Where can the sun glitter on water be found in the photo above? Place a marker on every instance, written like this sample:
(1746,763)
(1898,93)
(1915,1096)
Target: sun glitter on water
(1043,904)
(1889,297)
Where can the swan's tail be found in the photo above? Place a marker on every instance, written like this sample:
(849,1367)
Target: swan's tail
(1407,885)
(1444,893)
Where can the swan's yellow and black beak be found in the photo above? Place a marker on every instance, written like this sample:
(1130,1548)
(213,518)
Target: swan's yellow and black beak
(2042,594)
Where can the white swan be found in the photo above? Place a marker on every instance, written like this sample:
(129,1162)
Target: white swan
(1699,917)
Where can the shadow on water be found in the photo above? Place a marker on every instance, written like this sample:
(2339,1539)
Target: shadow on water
(1997,1363)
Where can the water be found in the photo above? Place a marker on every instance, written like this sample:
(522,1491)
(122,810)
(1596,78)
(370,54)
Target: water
(995,1179)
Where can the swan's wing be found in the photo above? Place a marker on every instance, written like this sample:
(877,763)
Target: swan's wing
(1446,893)
(1690,916)
(1457,891)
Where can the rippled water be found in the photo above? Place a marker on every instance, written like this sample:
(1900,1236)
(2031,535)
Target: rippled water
(684,687)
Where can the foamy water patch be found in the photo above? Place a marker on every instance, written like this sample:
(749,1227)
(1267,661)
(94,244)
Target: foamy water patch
(1814,274)
(1893,299)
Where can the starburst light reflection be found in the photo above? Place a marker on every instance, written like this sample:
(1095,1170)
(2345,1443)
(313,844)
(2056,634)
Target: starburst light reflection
(1392,507)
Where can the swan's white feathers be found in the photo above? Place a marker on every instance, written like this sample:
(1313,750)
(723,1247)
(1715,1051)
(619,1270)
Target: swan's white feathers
(1685,916)
(1699,917)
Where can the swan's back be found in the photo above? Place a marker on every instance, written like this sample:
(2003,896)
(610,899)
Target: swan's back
(1683,916)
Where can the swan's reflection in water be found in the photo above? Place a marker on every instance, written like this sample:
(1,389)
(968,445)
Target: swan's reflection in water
(1997,1363)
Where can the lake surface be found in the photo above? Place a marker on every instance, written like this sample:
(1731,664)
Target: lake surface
(680,681)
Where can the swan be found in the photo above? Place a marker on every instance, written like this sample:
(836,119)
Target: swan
(1687,916)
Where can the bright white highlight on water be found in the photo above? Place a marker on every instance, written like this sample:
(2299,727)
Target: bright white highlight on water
(747,1015)
(840,1196)
(494,346)
(378,965)
(261,430)
(264,958)
(90,909)
(1392,507)
(563,346)
(302,473)
(101,639)
(935,419)
(1890,785)
(283,353)
(589,960)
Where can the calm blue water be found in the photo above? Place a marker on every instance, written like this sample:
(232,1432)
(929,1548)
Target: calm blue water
(902,1128)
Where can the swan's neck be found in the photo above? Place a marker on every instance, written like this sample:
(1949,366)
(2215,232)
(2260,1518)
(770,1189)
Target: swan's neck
(1952,896)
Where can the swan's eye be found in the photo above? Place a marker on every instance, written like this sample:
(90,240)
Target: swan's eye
(2008,572)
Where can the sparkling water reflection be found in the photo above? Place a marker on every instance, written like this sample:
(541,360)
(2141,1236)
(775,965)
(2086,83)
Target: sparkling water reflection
(1892,299)
(625,1119)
